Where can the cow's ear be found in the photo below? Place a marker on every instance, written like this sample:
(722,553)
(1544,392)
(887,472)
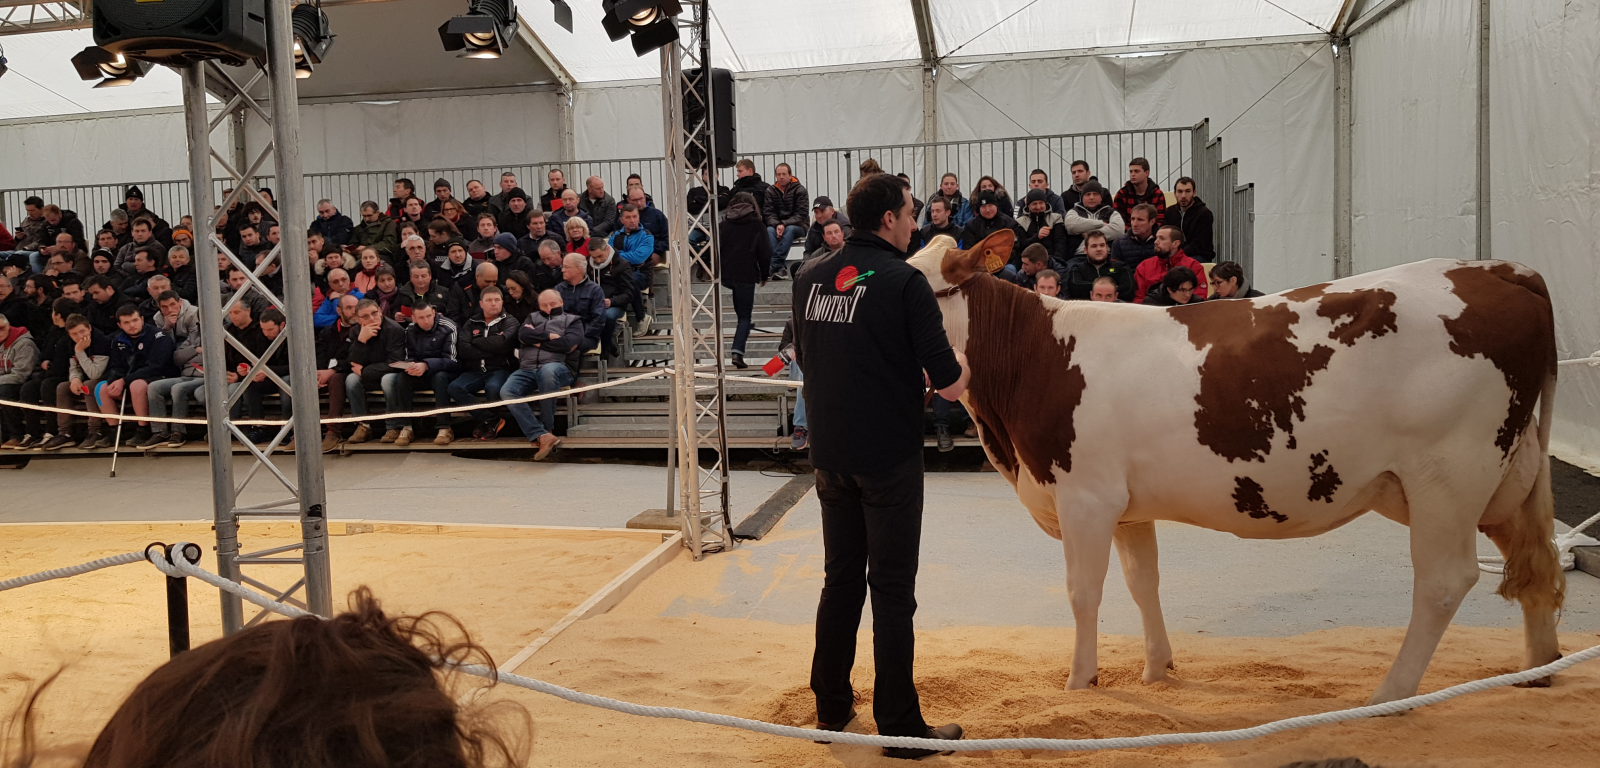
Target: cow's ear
(995,250)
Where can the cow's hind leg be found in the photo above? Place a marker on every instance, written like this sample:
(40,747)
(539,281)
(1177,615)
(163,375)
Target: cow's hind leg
(1086,533)
(1136,548)
(1444,568)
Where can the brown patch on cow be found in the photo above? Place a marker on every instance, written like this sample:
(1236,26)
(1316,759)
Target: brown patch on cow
(1507,320)
(1024,387)
(1324,480)
(957,265)
(1306,293)
(1247,498)
(1252,377)
(1358,313)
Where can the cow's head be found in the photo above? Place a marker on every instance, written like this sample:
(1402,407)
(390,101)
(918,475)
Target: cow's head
(948,268)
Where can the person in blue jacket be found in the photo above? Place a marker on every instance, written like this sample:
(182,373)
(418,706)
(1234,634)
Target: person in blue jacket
(142,353)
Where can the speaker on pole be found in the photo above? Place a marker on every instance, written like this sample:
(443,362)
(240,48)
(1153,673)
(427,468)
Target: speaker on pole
(177,32)
(722,110)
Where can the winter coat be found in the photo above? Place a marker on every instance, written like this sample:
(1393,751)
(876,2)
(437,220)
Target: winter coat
(147,357)
(186,284)
(634,247)
(655,222)
(436,347)
(483,345)
(382,351)
(1158,297)
(1151,271)
(550,201)
(516,263)
(335,230)
(1196,223)
(537,348)
(587,302)
(333,347)
(1073,194)
(615,278)
(1128,197)
(186,335)
(448,300)
(383,235)
(455,276)
(787,206)
(124,259)
(15,308)
(979,228)
(746,254)
(814,234)
(557,222)
(602,213)
(757,189)
(544,278)
(960,210)
(1077,282)
(698,197)
(104,316)
(478,205)
(1081,221)
(1133,251)
(328,313)
(528,245)
(19,356)
(56,351)
(1055,243)
(71,224)
(30,234)
(930,231)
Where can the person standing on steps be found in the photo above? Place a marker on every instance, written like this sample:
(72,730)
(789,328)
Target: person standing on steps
(745,260)
(866,328)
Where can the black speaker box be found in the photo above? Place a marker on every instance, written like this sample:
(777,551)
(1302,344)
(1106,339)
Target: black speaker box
(723,116)
(177,32)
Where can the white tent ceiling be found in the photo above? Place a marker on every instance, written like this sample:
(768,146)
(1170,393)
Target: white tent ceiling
(42,81)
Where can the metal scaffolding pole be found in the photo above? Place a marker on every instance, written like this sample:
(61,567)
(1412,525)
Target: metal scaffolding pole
(697,404)
(306,490)
(1343,179)
(1485,210)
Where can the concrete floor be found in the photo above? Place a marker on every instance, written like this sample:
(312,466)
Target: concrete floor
(984,561)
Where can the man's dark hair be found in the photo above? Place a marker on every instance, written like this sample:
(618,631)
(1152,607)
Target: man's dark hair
(1227,270)
(75,320)
(1037,253)
(273,315)
(1183,180)
(407,183)
(364,303)
(628,208)
(940,201)
(35,201)
(1147,209)
(236,268)
(421,305)
(746,163)
(440,224)
(785,166)
(70,278)
(1094,234)
(488,291)
(1050,273)
(1039,172)
(489,216)
(369,205)
(1172,232)
(534,212)
(127,309)
(97,281)
(1076,163)
(513,174)
(65,307)
(872,197)
(44,282)
(415,265)
(1177,276)
(833,223)
(1141,162)
(140,220)
(631,177)
(168,295)
(383,269)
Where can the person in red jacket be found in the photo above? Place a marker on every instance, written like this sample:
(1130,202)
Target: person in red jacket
(1169,254)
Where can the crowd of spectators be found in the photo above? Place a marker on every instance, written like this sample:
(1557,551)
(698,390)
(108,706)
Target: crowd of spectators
(491,296)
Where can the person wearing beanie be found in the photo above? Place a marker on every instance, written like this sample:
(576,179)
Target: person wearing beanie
(514,220)
(441,194)
(1041,225)
(507,257)
(1093,213)
(990,219)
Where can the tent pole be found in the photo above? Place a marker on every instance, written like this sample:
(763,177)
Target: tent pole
(1485,218)
(1343,129)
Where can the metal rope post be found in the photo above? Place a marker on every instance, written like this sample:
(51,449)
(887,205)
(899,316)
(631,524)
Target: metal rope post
(696,312)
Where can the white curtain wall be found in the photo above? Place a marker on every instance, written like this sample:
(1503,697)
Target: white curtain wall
(105,148)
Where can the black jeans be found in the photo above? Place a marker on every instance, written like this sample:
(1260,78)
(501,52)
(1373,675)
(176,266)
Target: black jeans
(39,390)
(10,415)
(871,531)
(744,303)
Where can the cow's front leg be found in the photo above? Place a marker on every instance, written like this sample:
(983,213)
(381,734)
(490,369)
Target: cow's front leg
(1136,548)
(1087,544)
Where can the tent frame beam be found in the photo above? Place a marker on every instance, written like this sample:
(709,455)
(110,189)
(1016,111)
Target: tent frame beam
(930,70)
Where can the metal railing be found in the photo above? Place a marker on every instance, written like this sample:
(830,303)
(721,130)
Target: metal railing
(1172,152)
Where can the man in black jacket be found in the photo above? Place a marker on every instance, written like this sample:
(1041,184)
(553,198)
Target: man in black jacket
(333,357)
(142,354)
(867,326)
(1042,225)
(377,348)
(331,224)
(785,215)
(551,199)
(1095,263)
(940,223)
(614,275)
(484,350)
(990,219)
(1195,220)
(421,289)
(104,301)
(747,180)
(430,365)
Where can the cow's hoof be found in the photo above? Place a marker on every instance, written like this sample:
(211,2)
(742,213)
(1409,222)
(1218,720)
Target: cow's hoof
(1072,683)
(1155,673)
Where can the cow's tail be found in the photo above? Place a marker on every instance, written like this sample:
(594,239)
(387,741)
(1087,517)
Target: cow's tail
(1534,576)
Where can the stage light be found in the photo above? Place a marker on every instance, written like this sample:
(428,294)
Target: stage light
(312,38)
(563,14)
(3,66)
(649,22)
(111,69)
(484,32)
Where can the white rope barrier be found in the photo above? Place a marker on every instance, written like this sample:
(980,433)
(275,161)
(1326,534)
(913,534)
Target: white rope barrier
(1593,360)
(1564,543)
(183,568)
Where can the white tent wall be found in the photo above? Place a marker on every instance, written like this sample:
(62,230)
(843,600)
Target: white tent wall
(100,148)
(1284,143)
(616,122)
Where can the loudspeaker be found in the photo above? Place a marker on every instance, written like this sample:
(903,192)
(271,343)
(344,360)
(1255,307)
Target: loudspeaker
(722,111)
(177,32)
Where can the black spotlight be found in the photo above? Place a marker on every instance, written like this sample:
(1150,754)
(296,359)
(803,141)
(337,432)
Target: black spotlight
(484,32)
(111,69)
(3,66)
(312,38)
(649,22)
(563,14)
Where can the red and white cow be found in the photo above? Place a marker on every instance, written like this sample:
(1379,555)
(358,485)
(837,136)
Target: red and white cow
(1408,391)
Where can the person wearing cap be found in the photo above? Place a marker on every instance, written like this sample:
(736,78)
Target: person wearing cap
(133,204)
(822,212)
(507,257)
(784,213)
(989,220)
(1094,213)
(1041,225)
(514,220)
(441,194)
(614,275)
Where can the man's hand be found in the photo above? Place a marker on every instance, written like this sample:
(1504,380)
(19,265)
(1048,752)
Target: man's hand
(260,376)
(83,344)
(367,332)
(44,365)
(608,303)
(324,376)
(233,378)
(355,368)
(555,335)
(417,369)
(113,389)
(1044,232)
(76,386)
(955,390)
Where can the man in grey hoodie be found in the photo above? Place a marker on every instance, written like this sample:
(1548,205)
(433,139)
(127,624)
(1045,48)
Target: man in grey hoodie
(19,355)
(181,320)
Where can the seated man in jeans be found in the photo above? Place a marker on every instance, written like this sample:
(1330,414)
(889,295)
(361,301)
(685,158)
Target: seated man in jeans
(552,345)
(377,348)
(430,364)
(485,350)
(182,320)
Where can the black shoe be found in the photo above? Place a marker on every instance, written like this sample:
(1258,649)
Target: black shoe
(942,435)
(176,439)
(951,732)
(836,727)
(738,361)
(140,437)
(150,440)
(56,443)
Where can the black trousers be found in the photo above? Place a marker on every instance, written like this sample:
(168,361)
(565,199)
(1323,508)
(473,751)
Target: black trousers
(872,531)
